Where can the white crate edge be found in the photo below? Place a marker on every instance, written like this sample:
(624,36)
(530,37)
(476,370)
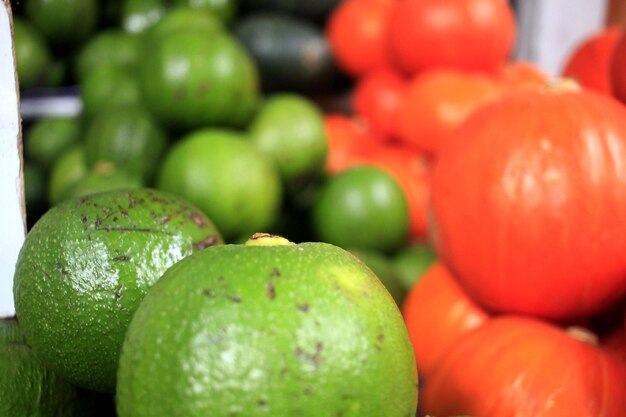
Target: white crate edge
(12,206)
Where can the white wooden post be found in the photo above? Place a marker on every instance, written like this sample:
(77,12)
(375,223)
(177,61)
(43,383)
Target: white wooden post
(549,30)
(12,210)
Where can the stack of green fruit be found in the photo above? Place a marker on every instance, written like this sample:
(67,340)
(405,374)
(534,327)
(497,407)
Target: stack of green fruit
(213,101)
(200,125)
(129,303)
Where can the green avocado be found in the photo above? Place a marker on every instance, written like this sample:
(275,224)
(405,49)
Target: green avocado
(85,266)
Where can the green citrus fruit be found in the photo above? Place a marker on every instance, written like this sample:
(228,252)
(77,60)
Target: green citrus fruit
(109,47)
(412,261)
(225,10)
(32,55)
(384,269)
(127,136)
(190,80)
(64,22)
(223,174)
(268,328)
(66,171)
(289,129)
(102,177)
(49,137)
(108,86)
(27,387)
(85,266)
(184,18)
(138,16)
(361,208)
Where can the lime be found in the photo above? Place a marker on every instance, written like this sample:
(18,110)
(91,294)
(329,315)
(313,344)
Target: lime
(225,10)
(384,269)
(127,136)
(190,80)
(32,54)
(362,207)
(68,169)
(108,85)
(27,387)
(138,16)
(289,129)
(112,46)
(64,22)
(57,72)
(183,18)
(102,177)
(85,266)
(49,137)
(268,328)
(222,173)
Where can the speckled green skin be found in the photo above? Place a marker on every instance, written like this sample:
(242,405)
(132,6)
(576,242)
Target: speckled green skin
(27,388)
(282,331)
(86,265)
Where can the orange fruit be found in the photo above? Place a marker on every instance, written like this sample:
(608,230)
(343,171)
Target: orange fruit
(357,34)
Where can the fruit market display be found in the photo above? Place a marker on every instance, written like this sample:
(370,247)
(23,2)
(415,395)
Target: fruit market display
(316,208)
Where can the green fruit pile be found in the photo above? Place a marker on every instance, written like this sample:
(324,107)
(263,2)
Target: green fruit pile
(131,298)
(190,135)
(187,98)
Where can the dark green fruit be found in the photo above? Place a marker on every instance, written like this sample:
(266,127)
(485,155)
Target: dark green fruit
(86,265)
(291,53)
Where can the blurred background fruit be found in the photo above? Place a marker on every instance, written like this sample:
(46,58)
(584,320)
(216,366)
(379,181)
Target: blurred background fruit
(64,22)
(289,130)
(189,80)
(227,177)
(590,62)
(362,207)
(291,53)
(32,55)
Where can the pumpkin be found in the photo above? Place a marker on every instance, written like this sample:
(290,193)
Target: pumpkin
(523,74)
(614,341)
(437,101)
(350,141)
(357,34)
(515,366)
(469,35)
(589,63)
(437,312)
(529,203)
(377,97)
(618,68)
